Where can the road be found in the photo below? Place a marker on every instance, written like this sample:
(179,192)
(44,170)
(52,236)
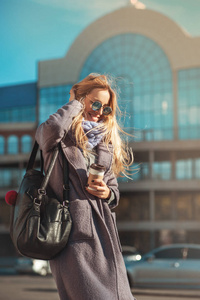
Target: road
(23,287)
(145,294)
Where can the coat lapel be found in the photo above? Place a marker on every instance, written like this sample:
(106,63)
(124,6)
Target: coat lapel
(76,159)
(105,155)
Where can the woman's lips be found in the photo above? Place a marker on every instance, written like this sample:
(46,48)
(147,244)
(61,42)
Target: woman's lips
(94,117)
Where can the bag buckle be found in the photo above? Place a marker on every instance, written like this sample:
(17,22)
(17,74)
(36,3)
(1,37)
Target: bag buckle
(66,203)
(41,192)
(37,201)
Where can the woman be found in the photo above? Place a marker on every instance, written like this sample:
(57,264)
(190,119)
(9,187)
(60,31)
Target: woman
(91,267)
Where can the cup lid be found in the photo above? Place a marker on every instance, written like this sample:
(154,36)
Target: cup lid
(97,167)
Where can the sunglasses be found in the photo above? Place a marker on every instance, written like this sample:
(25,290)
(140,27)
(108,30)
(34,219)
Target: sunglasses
(98,105)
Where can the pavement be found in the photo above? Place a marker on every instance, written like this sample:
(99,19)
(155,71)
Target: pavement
(33,287)
(162,294)
(27,287)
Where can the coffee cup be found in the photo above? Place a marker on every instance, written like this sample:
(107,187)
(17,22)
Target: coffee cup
(96,171)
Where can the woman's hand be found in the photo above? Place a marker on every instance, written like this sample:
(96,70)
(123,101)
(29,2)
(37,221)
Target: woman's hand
(99,189)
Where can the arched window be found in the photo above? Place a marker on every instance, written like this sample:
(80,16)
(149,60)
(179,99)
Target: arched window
(188,103)
(2,144)
(13,144)
(144,76)
(26,143)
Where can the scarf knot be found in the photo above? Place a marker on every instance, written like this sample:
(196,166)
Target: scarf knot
(93,134)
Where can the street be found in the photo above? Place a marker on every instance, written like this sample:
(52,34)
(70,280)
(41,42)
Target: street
(152,294)
(24,287)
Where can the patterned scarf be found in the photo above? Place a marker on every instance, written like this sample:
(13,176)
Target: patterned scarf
(94,135)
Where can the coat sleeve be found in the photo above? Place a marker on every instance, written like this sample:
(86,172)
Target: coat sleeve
(50,133)
(113,185)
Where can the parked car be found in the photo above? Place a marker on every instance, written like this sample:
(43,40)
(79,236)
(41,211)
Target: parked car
(7,265)
(173,266)
(130,253)
(25,265)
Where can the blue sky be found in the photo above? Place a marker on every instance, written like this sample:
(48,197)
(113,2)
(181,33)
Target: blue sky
(34,30)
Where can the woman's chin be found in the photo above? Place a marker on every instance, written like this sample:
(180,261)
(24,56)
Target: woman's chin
(92,118)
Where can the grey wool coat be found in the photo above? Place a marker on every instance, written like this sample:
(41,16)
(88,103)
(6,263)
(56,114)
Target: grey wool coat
(91,266)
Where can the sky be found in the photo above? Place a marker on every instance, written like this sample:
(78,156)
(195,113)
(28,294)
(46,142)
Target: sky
(34,30)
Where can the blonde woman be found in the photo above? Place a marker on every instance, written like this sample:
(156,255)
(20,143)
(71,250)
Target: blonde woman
(91,267)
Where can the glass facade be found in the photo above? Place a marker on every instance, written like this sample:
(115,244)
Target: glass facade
(133,207)
(11,177)
(18,103)
(163,207)
(162,170)
(52,98)
(139,171)
(2,145)
(177,206)
(189,104)
(197,168)
(168,206)
(188,169)
(26,144)
(184,207)
(185,169)
(13,144)
(18,114)
(143,76)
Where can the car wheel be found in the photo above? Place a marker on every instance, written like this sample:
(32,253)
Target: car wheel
(43,272)
(130,281)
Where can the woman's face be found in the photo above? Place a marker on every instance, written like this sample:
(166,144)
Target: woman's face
(100,95)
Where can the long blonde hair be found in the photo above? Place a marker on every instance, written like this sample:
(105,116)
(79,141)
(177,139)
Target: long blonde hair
(122,155)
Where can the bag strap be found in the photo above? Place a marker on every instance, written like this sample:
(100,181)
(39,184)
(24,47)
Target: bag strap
(30,165)
(45,180)
(65,179)
(42,190)
(41,162)
(32,156)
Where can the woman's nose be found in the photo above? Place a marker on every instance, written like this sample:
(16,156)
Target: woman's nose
(100,111)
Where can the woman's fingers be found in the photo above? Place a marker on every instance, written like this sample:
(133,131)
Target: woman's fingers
(98,182)
(99,189)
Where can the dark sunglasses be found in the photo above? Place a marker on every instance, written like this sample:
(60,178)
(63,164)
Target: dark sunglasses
(98,105)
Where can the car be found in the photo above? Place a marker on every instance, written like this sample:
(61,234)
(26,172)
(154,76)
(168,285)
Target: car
(171,266)
(7,265)
(130,253)
(25,265)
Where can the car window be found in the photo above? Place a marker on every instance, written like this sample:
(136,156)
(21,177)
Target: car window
(169,253)
(193,253)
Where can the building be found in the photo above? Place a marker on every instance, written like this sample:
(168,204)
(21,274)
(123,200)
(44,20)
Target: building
(157,68)
(18,119)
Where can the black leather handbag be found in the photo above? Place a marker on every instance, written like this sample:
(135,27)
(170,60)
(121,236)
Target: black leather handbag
(40,223)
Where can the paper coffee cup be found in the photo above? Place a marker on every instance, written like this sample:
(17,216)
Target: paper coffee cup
(95,172)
